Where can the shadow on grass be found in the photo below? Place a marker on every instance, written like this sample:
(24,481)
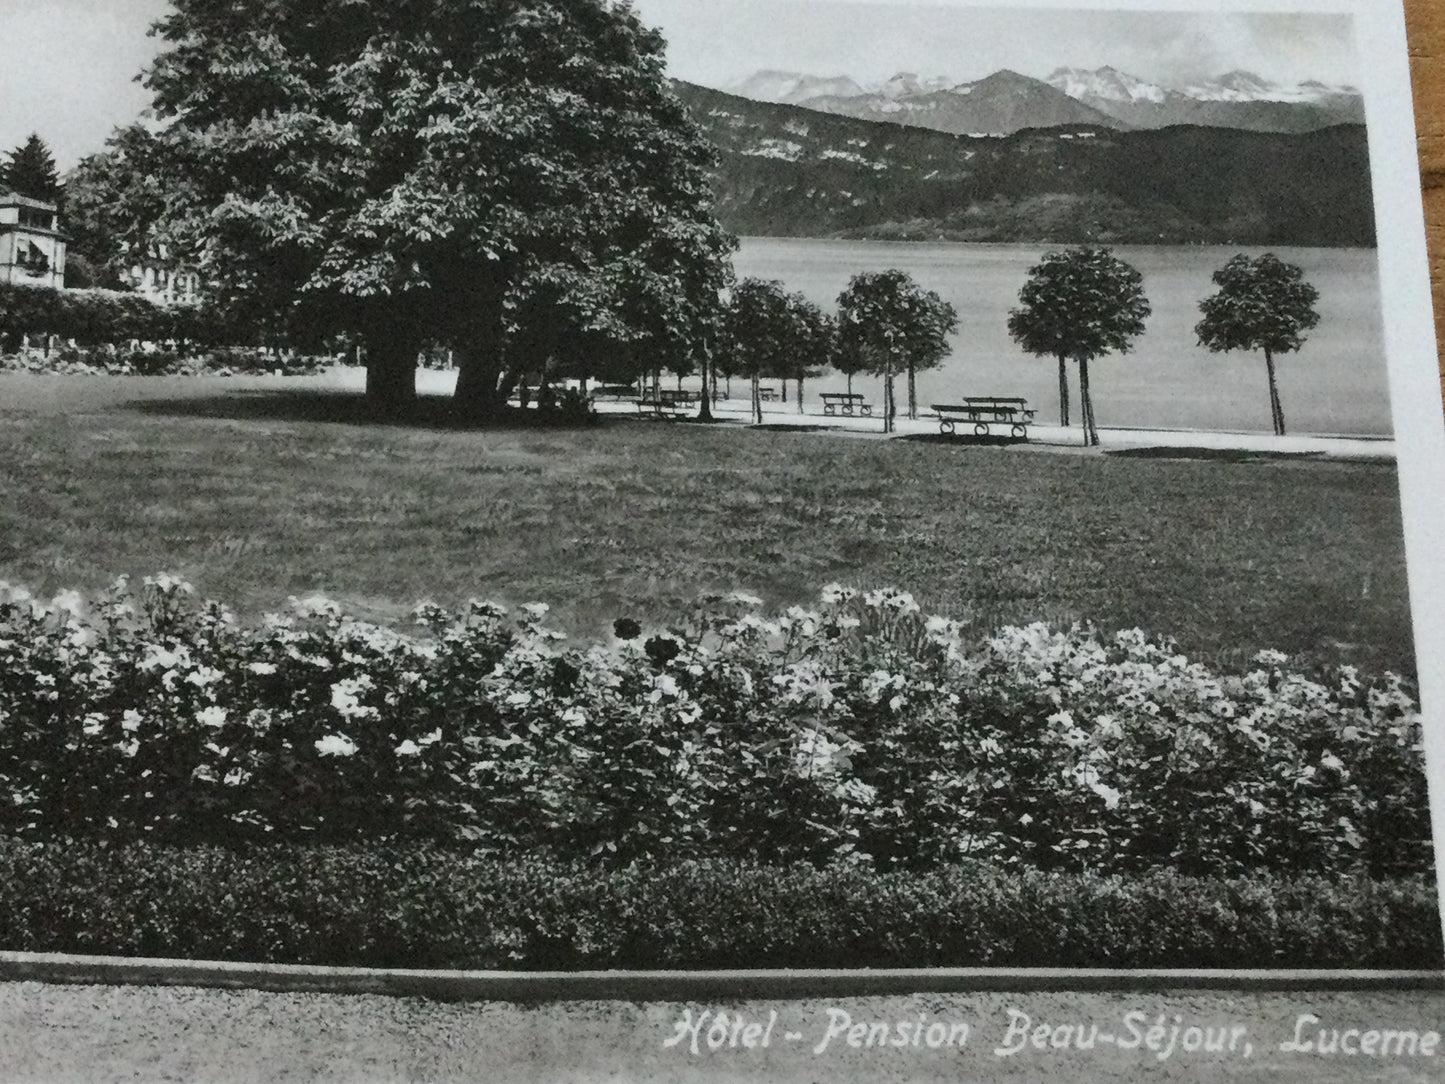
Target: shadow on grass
(348,408)
(1222,455)
(989,441)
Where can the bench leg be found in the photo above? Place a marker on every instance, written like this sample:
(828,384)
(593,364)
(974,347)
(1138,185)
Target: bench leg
(1021,431)
(867,411)
(829,408)
(946,427)
(980,429)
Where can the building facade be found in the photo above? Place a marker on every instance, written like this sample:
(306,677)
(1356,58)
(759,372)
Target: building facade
(164,280)
(32,248)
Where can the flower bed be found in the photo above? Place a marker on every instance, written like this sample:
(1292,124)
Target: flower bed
(69,360)
(861,732)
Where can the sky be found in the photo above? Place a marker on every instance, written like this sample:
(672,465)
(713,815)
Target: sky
(70,65)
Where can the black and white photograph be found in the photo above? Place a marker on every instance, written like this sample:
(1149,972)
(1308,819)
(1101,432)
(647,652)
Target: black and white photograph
(759,540)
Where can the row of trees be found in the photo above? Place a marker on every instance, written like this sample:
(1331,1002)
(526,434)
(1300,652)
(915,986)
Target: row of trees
(1084,303)
(1077,305)
(886,325)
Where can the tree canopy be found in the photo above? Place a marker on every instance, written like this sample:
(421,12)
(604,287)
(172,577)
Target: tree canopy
(1081,303)
(499,176)
(888,324)
(1262,304)
(29,170)
(774,332)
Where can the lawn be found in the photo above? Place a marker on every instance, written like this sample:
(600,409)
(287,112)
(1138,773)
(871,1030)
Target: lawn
(254,492)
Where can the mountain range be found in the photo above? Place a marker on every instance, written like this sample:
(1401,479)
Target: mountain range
(1007,102)
(791,171)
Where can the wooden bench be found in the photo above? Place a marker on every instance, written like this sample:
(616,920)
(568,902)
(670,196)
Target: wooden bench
(767,395)
(836,402)
(613,391)
(984,411)
(667,404)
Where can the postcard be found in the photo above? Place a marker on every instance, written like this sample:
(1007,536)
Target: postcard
(760,541)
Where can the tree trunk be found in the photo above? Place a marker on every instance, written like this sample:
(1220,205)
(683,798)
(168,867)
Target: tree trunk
(704,410)
(757,401)
(850,383)
(478,394)
(390,371)
(888,403)
(912,392)
(1275,409)
(1086,406)
(784,382)
(1063,393)
(800,395)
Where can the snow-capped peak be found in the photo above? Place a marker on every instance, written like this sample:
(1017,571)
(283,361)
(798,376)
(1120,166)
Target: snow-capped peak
(1107,84)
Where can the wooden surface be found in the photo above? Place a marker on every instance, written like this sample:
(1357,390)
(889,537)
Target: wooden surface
(1426,19)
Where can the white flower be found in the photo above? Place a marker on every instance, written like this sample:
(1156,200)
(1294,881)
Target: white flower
(519,699)
(535,610)
(157,657)
(130,721)
(212,716)
(335,745)
(235,777)
(203,676)
(93,725)
(1109,794)
(345,697)
(69,602)
(204,773)
(1332,762)
(432,738)
(265,669)
(129,748)
(744,599)
(407,748)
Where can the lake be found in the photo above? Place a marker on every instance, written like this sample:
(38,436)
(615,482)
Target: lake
(1336,384)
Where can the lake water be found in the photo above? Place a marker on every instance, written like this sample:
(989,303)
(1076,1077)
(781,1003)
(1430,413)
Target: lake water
(1336,383)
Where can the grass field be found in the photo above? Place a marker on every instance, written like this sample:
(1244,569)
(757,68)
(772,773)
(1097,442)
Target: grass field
(254,493)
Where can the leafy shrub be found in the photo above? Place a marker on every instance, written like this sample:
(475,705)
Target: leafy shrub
(861,732)
(424,906)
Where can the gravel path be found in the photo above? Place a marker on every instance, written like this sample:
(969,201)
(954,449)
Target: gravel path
(100,1034)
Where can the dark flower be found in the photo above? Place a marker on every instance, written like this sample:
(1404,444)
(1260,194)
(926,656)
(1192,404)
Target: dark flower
(626,629)
(662,649)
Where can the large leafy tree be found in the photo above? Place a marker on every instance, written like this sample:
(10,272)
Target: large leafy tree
(1262,304)
(1082,303)
(451,171)
(29,170)
(889,322)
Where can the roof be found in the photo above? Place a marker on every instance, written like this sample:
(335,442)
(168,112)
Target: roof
(15,199)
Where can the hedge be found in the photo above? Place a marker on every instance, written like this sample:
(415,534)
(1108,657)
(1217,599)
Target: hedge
(861,731)
(423,906)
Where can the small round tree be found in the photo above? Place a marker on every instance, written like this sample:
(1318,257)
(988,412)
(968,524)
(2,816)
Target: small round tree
(1262,304)
(897,326)
(759,329)
(1082,303)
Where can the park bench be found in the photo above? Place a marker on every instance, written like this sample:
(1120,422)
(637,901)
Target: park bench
(984,411)
(668,404)
(613,391)
(844,403)
(767,395)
